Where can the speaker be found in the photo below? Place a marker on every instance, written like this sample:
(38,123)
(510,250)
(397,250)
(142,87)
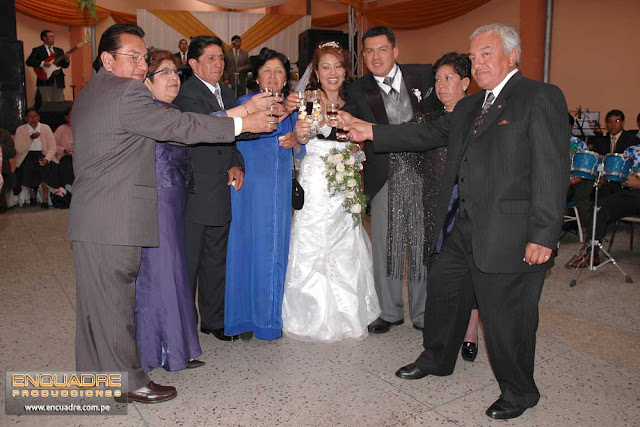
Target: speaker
(309,40)
(13,98)
(52,113)
(8,20)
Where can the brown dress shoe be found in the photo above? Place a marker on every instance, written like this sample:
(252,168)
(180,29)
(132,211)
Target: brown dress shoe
(151,393)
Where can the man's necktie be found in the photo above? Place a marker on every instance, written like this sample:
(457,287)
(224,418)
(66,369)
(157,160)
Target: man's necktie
(614,140)
(219,98)
(392,93)
(483,113)
(184,58)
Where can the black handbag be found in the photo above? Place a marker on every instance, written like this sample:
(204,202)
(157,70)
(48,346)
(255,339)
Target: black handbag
(297,192)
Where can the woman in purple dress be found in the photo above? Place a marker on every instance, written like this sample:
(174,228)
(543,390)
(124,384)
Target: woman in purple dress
(166,327)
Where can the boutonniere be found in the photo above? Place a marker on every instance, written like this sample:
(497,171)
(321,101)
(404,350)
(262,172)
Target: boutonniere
(417,93)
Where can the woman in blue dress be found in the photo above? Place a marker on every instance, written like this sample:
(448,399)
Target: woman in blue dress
(258,247)
(166,326)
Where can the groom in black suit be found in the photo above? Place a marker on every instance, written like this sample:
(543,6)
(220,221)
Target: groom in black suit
(371,98)
(214,168)
(38,59)
(508,152)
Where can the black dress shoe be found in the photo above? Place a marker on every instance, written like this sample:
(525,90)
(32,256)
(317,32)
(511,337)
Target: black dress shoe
(195,363)
(420,328)
(151,393)
(219,333)
(411,372)
(44,206)
(469,351)
(380,326)
(503,410)
(246,336)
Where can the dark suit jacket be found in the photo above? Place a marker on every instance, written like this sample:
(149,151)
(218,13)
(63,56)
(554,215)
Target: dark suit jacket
(364,100)
(519,163)
(39,54)
(116,124)
(230,65)
(602,145)
(210,203)
(8,150)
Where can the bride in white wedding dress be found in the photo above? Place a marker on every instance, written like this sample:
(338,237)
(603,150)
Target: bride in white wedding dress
(329,291)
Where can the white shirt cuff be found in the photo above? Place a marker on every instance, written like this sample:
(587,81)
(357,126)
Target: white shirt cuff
(325,130)
(237,123)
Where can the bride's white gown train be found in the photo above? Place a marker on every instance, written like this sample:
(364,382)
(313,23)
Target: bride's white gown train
(329,292)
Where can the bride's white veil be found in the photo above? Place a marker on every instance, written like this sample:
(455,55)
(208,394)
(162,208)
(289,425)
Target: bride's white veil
(304,80)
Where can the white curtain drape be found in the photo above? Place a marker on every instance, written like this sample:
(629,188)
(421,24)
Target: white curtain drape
(244,4)
(225,25)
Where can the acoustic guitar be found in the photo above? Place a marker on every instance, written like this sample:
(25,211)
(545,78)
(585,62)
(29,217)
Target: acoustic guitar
(44,73)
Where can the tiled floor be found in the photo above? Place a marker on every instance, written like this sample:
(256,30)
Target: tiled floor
(587,363)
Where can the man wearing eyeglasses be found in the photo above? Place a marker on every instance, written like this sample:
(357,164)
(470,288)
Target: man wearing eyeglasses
(114,209)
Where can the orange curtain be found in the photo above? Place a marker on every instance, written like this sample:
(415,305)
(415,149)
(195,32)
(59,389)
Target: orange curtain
(330,21)
(408,15)
(265,28)
(63,12)
(185,23)
(124,18)
(416,14)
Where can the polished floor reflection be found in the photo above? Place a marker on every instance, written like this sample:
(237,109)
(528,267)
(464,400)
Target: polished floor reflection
(587,363)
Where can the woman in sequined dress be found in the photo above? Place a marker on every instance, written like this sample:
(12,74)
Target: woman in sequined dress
(452,78)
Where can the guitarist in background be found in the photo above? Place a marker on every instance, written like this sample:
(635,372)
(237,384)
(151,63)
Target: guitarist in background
(41,57)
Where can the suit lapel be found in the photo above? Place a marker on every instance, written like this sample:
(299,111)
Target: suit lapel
(500,104)
(411,81)
(210,97)
(374,99)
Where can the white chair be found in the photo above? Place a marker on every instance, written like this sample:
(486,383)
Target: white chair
(629,220)
(571,207)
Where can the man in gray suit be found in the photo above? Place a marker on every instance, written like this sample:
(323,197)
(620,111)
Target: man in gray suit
(114,209)
(237,65)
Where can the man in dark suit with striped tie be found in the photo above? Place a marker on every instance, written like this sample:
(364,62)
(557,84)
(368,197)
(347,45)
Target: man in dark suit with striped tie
(209,204)
(114,209)
(508,152)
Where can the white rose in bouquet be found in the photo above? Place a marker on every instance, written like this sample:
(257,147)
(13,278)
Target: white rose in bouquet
(340,167)
(351,183)
(339,177)
(337,158)
(356,209)
(350,161)
(350,194)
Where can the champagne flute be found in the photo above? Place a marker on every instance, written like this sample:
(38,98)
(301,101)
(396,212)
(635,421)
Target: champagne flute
(332,113)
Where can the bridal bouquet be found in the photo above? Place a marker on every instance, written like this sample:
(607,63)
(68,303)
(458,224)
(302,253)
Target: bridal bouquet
(343,176)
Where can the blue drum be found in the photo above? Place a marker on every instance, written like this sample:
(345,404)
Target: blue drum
(585,164)
(617,167)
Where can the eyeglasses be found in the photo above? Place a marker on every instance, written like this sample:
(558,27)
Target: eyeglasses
(135,56)
(166,72)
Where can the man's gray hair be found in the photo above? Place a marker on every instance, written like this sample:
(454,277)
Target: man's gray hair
(510,37)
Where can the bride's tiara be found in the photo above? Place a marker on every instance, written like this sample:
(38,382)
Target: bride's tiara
(330,44)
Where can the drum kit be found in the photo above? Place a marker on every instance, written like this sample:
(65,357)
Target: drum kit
(592,166)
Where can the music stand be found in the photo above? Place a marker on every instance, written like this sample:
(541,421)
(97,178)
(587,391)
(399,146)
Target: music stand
(590,246)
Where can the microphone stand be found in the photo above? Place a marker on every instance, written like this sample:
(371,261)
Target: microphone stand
(593,243)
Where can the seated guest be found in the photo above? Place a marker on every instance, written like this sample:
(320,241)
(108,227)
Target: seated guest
(617,140)
(166,326)
(64,151)
(7,151)
(36,149)
(616,206)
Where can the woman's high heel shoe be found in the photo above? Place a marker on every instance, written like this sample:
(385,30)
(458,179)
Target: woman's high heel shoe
(469,351)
